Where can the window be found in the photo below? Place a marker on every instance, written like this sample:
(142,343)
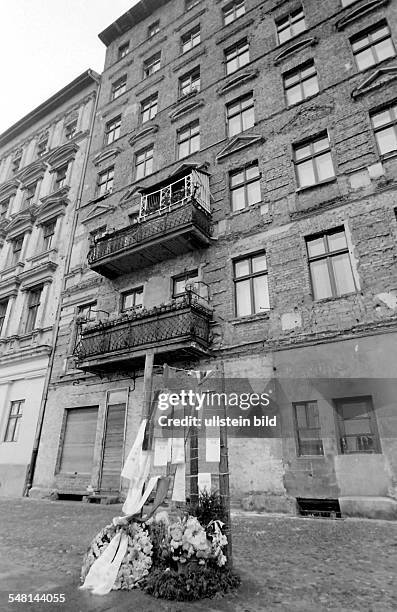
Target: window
(29,195)
(97,233)
(79,440)
(313,161)
(132,299)
(307,426)
(149,108)
(123,50)
(330,266)
(152,65)
(385,129)
(14,421)
(119,87)
(251,285)
(3,311)
(190,39)
(183,281)
(291,25)
(372,47)
(16,161)
(133,217)
(105,181)
(87,312)
(70,129)
(357,425)
(240,115)
(190,4)
(60,177)
(237,56)
(300,83)
(16,252)
(233,10)
(42,146)
(190,82)
(153,29)
(112,130)
(144,162)
(245,187)
(48,235)
(347,2)
(188,139)
(34,297)
(4,205)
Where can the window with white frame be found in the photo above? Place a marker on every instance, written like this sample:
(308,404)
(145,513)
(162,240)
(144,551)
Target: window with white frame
(4,206)
(300,83)
(237,56)
(87,312)
(14,421)
(144,162)
(190,39)
(240,115)
(16,161)
(149,107)
(313,161)
(105,181)
(330,265)
(48,235)
(372,46)
(290,25)
(29,195)
(245,188)
(16,250)
(112,130)
(42,145)
(3,312)
(189,82)
(384,124)
(188,139)
(358,431)
(70,129)
(33,305)
(132,299)
(347,2)
(251,285)
(233,10)
(123,50)
(61,177)
(153,29)
(118,87)
(152,65)
(184,281)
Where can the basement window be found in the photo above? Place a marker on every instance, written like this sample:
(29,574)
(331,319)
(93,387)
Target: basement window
(318,508)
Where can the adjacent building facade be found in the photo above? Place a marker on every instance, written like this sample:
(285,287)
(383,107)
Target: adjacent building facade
(239,215)
(42,161)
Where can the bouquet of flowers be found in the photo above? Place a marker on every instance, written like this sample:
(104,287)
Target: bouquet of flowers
(189,541)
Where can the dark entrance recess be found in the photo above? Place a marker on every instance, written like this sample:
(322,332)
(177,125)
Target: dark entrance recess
(318,508)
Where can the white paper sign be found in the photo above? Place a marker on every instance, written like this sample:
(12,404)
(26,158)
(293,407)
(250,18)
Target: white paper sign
(177,450)
(179,490)
(160,452)
(212,449)
(204,481)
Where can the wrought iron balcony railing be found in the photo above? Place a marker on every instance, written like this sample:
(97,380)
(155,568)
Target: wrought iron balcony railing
(178,329)
(172,220)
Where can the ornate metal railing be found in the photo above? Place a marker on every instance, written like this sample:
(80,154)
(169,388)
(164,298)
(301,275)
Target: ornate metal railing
(193,186)
(183,319)
(131,236)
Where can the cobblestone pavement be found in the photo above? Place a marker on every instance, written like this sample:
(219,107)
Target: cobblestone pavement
(286,564)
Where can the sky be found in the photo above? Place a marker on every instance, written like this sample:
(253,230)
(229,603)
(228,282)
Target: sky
(45,44)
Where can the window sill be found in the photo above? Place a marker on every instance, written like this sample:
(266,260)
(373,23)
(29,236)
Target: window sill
(387,156)
(335,298)
(251,318)
(316,185)
(306,457)
(293,38)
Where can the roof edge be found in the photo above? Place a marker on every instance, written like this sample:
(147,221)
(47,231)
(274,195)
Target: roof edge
(128,20)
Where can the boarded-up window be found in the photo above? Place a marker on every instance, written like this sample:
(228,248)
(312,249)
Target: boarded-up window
(79,440)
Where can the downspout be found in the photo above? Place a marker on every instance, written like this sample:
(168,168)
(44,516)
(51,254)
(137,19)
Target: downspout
(43,404)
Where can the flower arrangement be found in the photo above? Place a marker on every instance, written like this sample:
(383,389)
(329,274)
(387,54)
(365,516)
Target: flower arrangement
(137,561)
(188,540)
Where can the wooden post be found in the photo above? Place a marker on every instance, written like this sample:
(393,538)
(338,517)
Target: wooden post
(147,383)
(224,488)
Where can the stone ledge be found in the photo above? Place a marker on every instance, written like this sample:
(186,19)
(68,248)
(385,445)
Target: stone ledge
(384,508)
(268,502)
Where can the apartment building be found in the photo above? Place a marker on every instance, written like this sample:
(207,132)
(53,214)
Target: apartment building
(42,160)
(239,215)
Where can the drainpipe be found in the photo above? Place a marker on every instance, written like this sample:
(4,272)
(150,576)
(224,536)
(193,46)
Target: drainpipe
(43,404)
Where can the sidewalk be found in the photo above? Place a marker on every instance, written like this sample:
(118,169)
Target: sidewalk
(286,564)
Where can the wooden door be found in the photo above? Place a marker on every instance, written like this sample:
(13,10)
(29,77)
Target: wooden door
(113,446)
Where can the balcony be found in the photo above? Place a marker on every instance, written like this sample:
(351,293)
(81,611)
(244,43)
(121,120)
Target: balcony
(175,331)
(173,219)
